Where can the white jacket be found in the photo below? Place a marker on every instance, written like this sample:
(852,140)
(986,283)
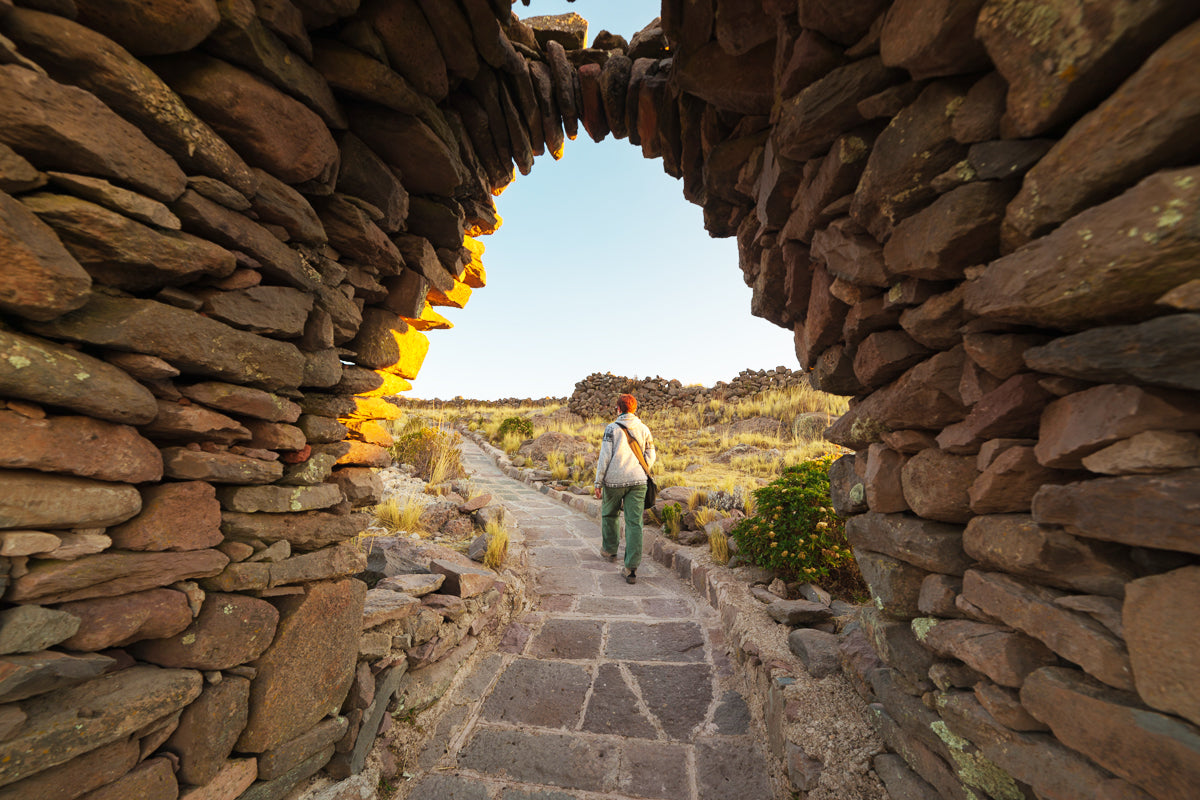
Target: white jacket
(618,466)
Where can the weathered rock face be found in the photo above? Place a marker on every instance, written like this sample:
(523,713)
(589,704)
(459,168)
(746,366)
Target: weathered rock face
(221,221)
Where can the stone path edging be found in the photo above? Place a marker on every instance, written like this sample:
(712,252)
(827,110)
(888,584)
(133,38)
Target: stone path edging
(766,662)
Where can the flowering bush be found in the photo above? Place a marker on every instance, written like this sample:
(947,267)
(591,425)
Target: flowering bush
(795,531)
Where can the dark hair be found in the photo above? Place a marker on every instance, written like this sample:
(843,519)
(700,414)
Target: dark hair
(627,404)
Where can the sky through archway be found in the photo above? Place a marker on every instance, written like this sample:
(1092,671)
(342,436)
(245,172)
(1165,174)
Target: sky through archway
(601,266)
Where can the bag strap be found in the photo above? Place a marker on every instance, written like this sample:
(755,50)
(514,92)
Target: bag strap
(635,447)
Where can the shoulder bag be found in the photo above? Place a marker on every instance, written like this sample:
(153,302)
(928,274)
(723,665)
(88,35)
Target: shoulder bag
(651,487)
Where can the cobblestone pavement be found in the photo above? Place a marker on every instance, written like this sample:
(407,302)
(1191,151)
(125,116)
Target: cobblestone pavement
(604,690)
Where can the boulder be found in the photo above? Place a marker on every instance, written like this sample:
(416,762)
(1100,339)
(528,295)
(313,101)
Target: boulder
(936,485)
(1032,609)
(917,146)
(1005,657)
(110,574)
(932,546)
(38,500)
(219,467)
(1062,62)
(174,516)
(208,729)
(1139,510)
(1162,639)
(1153,751)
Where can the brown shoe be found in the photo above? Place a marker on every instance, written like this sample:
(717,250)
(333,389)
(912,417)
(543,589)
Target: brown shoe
(630,575)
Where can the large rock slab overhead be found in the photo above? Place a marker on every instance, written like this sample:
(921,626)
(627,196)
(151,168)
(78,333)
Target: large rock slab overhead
(191,342)
(42,278)
(1061,57)
(61,127)
(1109,264)
(77,55)
(308,669)
(167,27)
(121,252)
(427,163)
(1156,112)
(272,130)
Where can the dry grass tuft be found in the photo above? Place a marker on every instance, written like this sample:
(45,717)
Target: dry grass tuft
(497,549)
(718,545)
(400,517)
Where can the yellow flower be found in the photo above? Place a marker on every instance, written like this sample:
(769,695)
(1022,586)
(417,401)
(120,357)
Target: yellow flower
(774,544)
(784,554)
(822,524)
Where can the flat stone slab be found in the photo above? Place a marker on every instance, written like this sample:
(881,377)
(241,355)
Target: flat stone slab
(732,716)
(679,696)
(567,639)
(728,770)
(563,581)
(553,759)
(656,769)
(613,707)
(663,641)
(545,693)
(610,606)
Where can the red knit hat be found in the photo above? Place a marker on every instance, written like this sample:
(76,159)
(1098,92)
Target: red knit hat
(627,403)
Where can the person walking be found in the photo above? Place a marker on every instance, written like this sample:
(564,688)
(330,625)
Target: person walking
(621,483)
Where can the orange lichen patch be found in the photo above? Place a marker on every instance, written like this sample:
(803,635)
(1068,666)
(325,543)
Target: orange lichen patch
(392,384)
(457,297)
(429,320)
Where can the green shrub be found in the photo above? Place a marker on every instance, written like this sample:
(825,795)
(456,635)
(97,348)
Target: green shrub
(795,531)
(517,425)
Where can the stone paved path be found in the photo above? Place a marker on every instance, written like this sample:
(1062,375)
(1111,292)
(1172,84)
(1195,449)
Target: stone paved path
(605,690)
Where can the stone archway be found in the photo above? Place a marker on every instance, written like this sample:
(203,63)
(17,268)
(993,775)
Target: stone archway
(226,226)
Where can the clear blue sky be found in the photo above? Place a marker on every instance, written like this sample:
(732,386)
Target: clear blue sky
(600,266)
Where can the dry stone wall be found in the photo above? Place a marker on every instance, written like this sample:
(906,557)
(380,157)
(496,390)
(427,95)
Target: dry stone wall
(226,226)
(595,395)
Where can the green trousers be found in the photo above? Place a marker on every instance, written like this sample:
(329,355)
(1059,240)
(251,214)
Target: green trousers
(632,500)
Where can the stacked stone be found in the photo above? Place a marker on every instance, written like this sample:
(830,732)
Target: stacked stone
(980,221)
(225,228)
(595,395)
